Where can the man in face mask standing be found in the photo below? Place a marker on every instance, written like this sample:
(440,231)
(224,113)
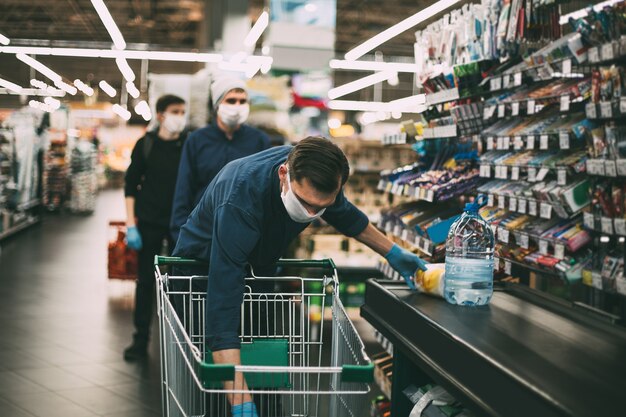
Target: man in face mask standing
(149,189)
(209,149)
(251,212)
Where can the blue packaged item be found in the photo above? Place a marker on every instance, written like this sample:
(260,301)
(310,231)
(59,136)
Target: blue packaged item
(469,258)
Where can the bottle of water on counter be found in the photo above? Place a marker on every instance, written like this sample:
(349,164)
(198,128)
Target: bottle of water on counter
(469,258)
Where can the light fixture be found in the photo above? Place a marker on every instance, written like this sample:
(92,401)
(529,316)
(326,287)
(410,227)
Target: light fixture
(34,92)
(334,123)
(121,111)
(4,40)
(372,66)
(39,67)
(396,115)
(112,53)
(143,110)
(583,12)
(310,8)
(394,81)
(238,57)
(84,88)
(265,50)
(10,86)
(55,92)
(66,87)
(409,104)
(106,87)
(125,69)
(132,90)
(256,31)
(38,84)
(400,27)
(109,24)
(52,102)
(40,106)
(359,84)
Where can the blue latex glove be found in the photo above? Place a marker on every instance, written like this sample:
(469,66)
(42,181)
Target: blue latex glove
(133,238)
(406,263)
(244,410)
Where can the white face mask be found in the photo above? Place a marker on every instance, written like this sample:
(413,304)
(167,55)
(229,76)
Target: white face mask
(232,115)
(174,123)
(294,207)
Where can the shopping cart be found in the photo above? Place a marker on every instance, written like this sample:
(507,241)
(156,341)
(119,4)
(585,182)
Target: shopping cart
(291,367)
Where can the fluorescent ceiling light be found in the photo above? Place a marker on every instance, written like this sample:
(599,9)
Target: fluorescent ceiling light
(38,83)
(132,90)
(405,105)
(372,66)
(87,90)
(359,84)
(38,66)
(34,92)
(111,53)
(310,8)
(10,86)
(40,106)
(4,40)
(238,57)
(334,123)
(583,12)
(400,27)
(256,31)
(66,87)
(121,111)
(125,69)
(106,87)
(52,102)
(109,24)
(54,91)
(143,110)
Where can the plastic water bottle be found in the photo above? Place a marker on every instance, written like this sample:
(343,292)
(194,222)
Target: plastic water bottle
(469,258)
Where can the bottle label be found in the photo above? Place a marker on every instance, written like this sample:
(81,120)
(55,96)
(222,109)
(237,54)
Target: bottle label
(469,269)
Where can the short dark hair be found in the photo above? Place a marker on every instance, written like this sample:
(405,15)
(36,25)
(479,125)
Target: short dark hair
(167,100)
(321,162)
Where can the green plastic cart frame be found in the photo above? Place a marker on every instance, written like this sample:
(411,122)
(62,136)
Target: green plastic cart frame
(290,365)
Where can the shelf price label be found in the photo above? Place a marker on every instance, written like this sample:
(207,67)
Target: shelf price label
(512,204)
(593,54)
(606,110)
(506,81)
(567,67)
(564,140)
(524,241)
(507,267)
(620,226)
(532,174)
(503,235)
(607,51)
(518,143)
(515,108)
(561,177)
(381,185)
(491,200)
(521,206)
(606,224)
(490,143)
(621,167)
(495,84)
(501,202)
(500,143)
(504,172)
(543,247)
(405,235)
(543,142)
(530,107)
(596,278)
(485,170)
(565,102)
(622,105)
(501,110)
(517,79)
(515,173)
(559,251)
(610,168)
(590,111)
(506,143)
(532,208)
(530,142)
(541,175)
(496,263)
(589,221)
(488,112)
(545,211)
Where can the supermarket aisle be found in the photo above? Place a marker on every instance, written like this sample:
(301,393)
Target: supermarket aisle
(63,325)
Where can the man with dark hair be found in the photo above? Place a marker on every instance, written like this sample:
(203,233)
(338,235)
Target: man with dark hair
(149,189)
(250,213)
(208,149)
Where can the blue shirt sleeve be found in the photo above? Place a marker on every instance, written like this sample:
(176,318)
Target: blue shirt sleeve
(184,192)
(235,234)
(345,217)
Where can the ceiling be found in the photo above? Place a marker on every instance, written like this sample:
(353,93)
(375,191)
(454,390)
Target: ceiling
(180,24)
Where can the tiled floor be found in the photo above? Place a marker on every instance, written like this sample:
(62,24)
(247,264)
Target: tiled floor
(64,325)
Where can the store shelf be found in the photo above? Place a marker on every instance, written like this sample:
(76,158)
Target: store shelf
(563,140)
(606,167)
(517,357)
(430,195)
(605,225)
(443,96)
(529,206)
(18,228)
(409,237)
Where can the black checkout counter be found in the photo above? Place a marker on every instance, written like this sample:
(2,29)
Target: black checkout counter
(522,355)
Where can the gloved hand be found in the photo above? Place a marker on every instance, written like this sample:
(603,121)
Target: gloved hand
(406,263)
(133,238)
(247,409)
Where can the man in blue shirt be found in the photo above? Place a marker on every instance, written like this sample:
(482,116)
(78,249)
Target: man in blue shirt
(207,150)
(250,213)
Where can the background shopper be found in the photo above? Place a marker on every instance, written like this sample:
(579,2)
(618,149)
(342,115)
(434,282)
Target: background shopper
(209,149)
(149,189)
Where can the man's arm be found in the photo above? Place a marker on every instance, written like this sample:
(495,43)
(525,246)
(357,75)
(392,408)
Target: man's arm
(375,240)
(184,193)
(130,211)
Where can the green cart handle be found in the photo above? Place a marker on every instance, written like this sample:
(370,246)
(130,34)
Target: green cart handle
(301,263)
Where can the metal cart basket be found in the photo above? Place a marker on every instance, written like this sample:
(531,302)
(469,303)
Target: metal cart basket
(290,365)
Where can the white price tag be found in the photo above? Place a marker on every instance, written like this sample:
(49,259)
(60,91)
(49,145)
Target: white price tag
(545,211)
(394,188)
(607,52)
(610,168)
(405,235)
(501,110)
(524,241)
(500,143)
(541,175)
(496,264)
(503,235)
(512,204)
(561,177)
(488,112)
(515,173)
(559,251)
(521,206)
(397,230)
(532,208)
(485,171)
(430,196)
(589,221)
(418,241)
(504,172)
(590,110)
(517,79)
(530,142)
(495,84)
(620,226)
(606,223)
(606,110)
(564,140)
(543,247)
(381,185)
(567,67)
(501,202)
(621,167)
(596,278)
(518,143)
(622,105)
(506,143)
(593,54)
(543,142)
(490,143)
(565,103)
(491,200)
(507,267)
(506,81)
(532,174)
(530,107)
(515,108)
